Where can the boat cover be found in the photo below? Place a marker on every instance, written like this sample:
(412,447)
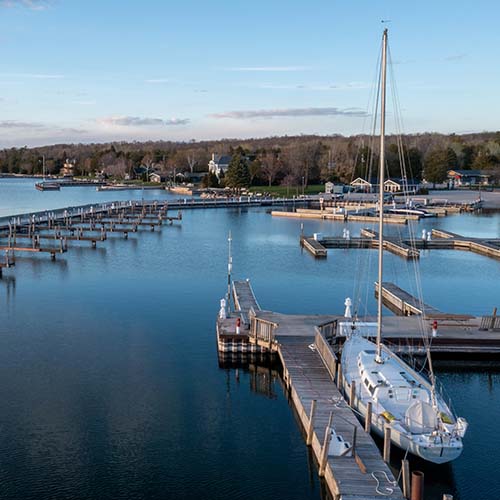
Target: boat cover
(421,417)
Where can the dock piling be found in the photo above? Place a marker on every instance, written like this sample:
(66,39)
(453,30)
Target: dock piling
(387,443)
(352,394)
(324,450)
(368,419)
(405,475)
(339,377)
(310,429)
(417,485)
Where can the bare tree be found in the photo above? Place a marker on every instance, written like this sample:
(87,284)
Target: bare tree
(270,166)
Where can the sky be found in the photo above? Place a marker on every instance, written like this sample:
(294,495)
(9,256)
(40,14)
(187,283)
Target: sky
(109,70)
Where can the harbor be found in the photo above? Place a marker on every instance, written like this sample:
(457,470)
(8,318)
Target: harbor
(308,349)
(275,289)
(249,267)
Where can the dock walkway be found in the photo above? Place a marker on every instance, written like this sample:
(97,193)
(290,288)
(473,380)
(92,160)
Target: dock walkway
(349,477)
(402,302)
(404,247)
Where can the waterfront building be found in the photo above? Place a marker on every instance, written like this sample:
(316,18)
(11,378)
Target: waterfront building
(219,164)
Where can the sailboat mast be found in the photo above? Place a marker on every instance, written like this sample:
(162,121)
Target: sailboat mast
(378,356)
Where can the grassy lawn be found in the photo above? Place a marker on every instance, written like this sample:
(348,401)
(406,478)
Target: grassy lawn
(288,191)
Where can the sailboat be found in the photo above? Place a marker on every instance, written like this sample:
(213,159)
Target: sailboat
(47,185)
(400,397)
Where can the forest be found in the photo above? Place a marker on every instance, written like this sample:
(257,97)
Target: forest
(286,160)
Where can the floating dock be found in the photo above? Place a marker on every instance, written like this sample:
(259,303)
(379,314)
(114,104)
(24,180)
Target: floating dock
(341,216)
(80,224)
(403,247)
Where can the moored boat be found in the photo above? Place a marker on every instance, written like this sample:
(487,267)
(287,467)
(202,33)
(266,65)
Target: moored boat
(398,396)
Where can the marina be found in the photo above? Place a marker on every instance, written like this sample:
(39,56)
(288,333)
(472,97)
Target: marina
(239,267)
(203,224)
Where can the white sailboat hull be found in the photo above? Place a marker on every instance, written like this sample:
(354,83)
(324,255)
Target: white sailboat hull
(439,448)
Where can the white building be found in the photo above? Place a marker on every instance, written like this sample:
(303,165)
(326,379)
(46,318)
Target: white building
(219,164)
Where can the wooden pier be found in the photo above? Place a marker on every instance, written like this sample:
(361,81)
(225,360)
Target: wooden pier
(341,216)
(314,247)
(368,239)
(353,471)
(404,247)
(308,347)
(356,473)
(92,223)
(401,302)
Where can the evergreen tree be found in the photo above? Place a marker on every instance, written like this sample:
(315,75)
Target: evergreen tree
(237,176)
(437,164)
(210,180)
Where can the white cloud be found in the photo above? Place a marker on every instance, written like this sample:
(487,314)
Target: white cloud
(455,57)
(157,80)
(34,76)
(289,112)
(269,68)
(314,87)
(14,124)
(136,121)
(29,4)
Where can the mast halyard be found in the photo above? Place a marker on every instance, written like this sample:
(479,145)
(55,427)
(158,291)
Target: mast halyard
(378,356)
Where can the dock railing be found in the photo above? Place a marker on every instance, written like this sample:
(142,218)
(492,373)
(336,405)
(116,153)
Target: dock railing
(490,323)
(328,330)
(262,332)
(325,351)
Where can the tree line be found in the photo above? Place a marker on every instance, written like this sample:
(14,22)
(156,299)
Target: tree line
(287,160)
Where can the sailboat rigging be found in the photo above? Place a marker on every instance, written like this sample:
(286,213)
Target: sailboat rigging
(401,398)
(47,185)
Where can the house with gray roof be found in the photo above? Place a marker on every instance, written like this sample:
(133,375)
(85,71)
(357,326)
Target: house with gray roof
(219,164)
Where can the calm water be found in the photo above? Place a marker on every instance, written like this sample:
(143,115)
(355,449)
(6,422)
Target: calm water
(110,384)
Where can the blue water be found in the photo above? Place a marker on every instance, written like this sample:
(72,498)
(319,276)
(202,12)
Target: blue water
(109,379)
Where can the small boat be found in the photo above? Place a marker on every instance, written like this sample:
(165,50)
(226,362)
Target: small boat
(411,211)
(114,187)
(48,186)
(400,398)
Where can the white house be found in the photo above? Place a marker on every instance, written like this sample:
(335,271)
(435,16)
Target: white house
(156,177)
(393,186)
(360,184)
(219,164)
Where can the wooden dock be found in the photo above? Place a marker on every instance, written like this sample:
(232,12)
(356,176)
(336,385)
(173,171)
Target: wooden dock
(314,247)
(93,223)
(360,474)
(404,247)
(340,217)
(368,239)
(244,298)
(357,472)
(308,347)
(484,246)
(401,302)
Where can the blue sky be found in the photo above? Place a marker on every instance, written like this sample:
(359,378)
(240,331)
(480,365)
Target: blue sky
(81,71)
